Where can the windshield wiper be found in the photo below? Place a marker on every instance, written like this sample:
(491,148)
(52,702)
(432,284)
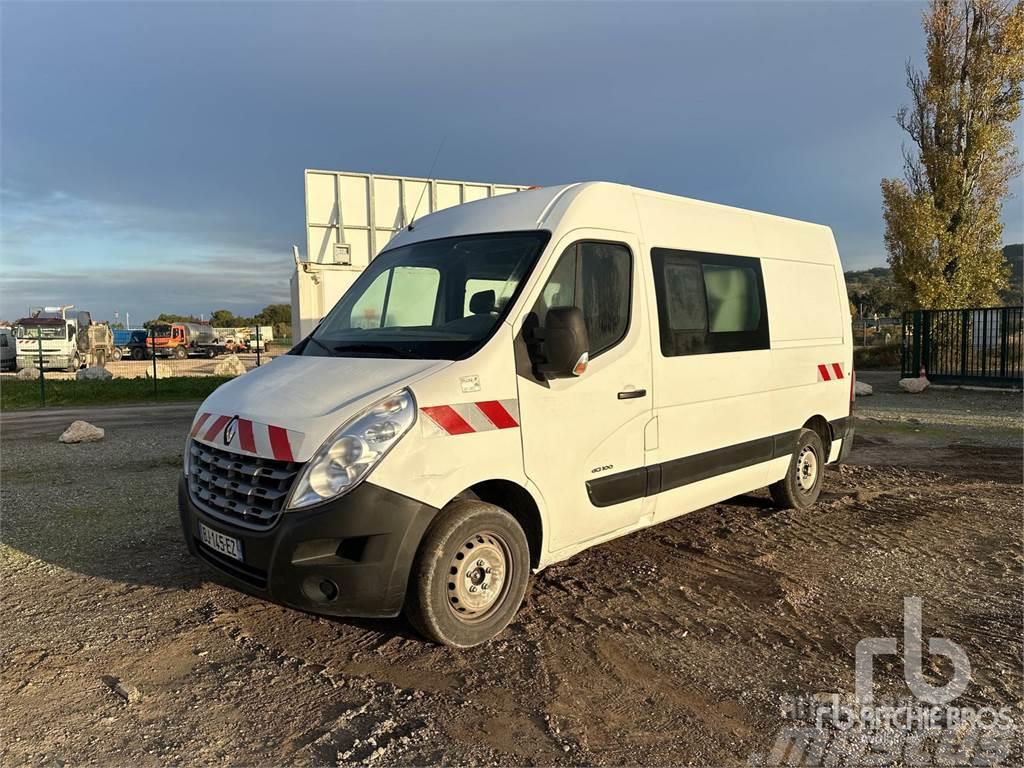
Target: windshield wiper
(382,350)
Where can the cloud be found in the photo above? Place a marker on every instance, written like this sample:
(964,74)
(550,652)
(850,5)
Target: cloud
(60,248)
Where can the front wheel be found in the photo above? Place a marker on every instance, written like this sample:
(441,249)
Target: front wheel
(180,353)
(469,576)
(75,363)
(801,486)
(116,355)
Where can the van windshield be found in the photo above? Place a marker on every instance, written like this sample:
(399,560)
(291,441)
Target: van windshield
(46,331)
(438,299)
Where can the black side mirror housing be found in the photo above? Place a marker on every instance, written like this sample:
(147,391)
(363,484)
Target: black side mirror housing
(564,343)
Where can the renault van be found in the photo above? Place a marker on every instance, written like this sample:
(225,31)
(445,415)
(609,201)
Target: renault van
(512,381)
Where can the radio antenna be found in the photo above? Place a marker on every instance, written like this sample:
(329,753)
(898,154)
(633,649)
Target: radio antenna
(430,177)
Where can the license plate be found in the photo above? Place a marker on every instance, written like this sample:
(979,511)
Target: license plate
(226,545)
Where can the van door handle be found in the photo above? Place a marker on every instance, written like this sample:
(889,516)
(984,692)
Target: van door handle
(631,394)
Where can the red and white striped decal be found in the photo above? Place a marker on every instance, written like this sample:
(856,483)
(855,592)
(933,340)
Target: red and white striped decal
(467,418)
(829,371)
(250,437)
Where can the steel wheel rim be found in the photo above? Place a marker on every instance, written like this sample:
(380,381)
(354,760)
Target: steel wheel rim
(806,468)
(478,577)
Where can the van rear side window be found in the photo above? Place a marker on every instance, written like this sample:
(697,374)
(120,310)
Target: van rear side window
(709,302)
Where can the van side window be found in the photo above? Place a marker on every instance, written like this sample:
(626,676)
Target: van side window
(709,302)
(597,278)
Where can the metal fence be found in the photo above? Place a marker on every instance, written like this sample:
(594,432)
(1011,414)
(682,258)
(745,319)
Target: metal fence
(981,346)
(159,367)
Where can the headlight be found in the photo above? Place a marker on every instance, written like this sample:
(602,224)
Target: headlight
(350,453)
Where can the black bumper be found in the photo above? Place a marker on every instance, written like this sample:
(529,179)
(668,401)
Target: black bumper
(348,557)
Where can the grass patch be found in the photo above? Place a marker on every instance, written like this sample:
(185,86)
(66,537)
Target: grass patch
(25,394)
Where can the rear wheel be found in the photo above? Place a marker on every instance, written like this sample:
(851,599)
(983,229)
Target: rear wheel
(138,353)
(469,576)
(116,355)
(801,486)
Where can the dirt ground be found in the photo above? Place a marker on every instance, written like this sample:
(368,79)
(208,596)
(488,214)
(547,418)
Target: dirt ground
(674,645)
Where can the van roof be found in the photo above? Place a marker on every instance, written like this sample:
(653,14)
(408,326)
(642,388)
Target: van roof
(550,207)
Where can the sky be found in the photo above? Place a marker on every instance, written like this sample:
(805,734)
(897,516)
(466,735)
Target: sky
(152,154)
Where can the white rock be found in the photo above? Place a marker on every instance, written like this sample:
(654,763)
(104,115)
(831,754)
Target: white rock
(81,432)
(862,389)
(229,366)
(914,386)
(97,372)
(163,371)
(28,374)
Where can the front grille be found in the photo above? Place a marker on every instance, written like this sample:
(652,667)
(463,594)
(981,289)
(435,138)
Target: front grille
(244,490)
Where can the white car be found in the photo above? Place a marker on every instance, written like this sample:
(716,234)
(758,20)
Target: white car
(8,351)
(517,379)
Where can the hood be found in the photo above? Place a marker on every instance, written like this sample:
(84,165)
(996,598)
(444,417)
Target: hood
(302,400)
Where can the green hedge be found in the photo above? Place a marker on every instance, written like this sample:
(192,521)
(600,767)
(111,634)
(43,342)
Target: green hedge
(880,356)
(25,394)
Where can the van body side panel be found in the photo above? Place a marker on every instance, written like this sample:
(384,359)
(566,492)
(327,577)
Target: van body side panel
(812,356)
(467,429)
(714,417)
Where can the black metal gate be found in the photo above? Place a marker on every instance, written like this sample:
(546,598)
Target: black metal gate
(965,346)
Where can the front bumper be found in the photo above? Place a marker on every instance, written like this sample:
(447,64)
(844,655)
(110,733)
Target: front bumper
(50,362)
(361,546)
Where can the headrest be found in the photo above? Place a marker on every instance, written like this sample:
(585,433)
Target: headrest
(482,302)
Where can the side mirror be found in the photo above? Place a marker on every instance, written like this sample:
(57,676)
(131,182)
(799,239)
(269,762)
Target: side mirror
(565,345)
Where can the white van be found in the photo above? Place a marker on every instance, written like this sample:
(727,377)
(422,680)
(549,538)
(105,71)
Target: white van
(517,379)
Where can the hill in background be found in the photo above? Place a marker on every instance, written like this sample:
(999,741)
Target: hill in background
(875,288)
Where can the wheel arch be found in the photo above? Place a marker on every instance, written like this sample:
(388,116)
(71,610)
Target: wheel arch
(820,424)
(518,502)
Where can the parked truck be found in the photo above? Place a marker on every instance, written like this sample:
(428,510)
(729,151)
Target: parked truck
(181,340)
(130,343)
(62,339)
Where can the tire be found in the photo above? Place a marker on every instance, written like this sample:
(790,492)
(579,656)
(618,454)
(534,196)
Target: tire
(801,486)
(138,353)
(452,608)
(180,353)
(75,363)
(211,353)
(116,355)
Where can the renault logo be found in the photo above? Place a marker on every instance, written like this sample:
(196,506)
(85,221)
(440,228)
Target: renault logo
(230,430)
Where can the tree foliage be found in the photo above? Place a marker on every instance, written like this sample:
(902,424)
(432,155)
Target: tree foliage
(942,220)
(874,291)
